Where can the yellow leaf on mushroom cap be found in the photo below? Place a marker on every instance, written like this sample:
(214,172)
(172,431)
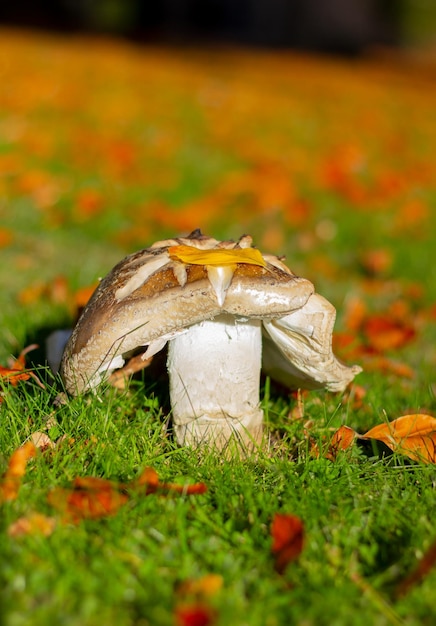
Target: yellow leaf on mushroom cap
(217,257)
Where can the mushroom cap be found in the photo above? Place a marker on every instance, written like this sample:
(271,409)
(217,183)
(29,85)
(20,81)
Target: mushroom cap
(154,294)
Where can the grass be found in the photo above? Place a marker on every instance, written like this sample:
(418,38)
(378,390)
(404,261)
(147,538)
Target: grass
(104,148)
(366,522)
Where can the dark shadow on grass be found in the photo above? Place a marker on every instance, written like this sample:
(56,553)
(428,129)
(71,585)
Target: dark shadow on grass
(154,378)
(372,448)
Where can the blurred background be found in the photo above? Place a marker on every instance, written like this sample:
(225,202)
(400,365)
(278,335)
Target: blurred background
(340,26)
(307,124)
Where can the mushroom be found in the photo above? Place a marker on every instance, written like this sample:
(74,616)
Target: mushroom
(215,303)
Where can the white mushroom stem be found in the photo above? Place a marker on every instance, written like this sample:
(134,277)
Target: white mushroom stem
(214,370)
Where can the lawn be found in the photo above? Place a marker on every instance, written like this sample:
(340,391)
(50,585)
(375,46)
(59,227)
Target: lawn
(106,147)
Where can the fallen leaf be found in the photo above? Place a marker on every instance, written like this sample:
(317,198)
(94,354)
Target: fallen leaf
(355,396)
(89,204)
(6,237)
(425,564)
(82,297)
(88,498)
(93,498)
(59,291)
(13,375)
(11,481)
(206,586)
(287,532)
(412,216)
(137,363)
(378,261)
(342,439)
(150,480)
(194,256)
(41,441)
(355,312)
(16,371)
(380,363)
(412,435)
(32,524)
(192,609)
(194,614)
(386,333)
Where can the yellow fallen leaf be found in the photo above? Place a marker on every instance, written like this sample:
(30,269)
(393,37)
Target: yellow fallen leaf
(194,256)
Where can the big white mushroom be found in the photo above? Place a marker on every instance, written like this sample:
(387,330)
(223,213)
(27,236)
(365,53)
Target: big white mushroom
(215,303)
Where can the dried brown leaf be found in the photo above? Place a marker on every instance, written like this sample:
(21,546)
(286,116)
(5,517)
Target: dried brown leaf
(42,441)
(135,364)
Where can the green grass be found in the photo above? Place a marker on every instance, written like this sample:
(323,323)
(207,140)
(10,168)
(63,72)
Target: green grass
(366,519)
(168,142)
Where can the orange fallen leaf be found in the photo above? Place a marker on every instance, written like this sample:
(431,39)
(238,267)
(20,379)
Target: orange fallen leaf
(13,375)
(387,333)
(6,237)
(287,532)
(11,482)
(377,261)
(16,371)
(355,396)
(342,439)
(372,334)
(149,478)
(380,363)
(59,290)
(193,608)
(89,203)
(355,313)
(32,524)
(82,297)
(32,293)
(88,498)
(412,435)
(93,498)
(412,216)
